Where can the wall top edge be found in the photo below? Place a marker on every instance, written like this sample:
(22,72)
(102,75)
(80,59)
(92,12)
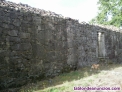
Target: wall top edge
(27,8)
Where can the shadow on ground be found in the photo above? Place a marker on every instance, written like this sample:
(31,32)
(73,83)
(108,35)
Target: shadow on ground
(67,77)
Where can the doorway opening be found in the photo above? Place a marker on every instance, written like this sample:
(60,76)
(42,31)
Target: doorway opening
(101,44)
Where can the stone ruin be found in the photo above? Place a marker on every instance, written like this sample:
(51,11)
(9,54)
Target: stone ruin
(36,44)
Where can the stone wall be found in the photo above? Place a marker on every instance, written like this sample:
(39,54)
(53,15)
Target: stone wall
(83,43)
(35,44)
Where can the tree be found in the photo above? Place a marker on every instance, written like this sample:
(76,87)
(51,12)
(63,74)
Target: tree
(110,13)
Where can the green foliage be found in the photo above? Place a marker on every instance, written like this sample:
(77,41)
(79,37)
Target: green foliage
(110,13)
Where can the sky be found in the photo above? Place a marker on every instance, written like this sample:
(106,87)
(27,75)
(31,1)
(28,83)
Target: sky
(83,10)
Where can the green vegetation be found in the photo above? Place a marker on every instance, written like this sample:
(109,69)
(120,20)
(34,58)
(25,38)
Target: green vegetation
(67,81)
(81,78)
(110,13)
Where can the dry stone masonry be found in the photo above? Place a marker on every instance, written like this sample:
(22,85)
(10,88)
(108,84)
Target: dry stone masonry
(37,44)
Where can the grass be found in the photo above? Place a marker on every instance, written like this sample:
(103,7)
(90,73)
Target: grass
(67,81)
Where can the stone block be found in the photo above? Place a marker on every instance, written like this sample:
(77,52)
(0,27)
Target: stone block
(24,35)
(14,39)
(15,47)
(41,35)
(71,59)
(39,51)
(25,46)
(13,33)
(16,23)
(2,56)
(39,28)
(5,25)
(52,56)
(22,46)
(70,44)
